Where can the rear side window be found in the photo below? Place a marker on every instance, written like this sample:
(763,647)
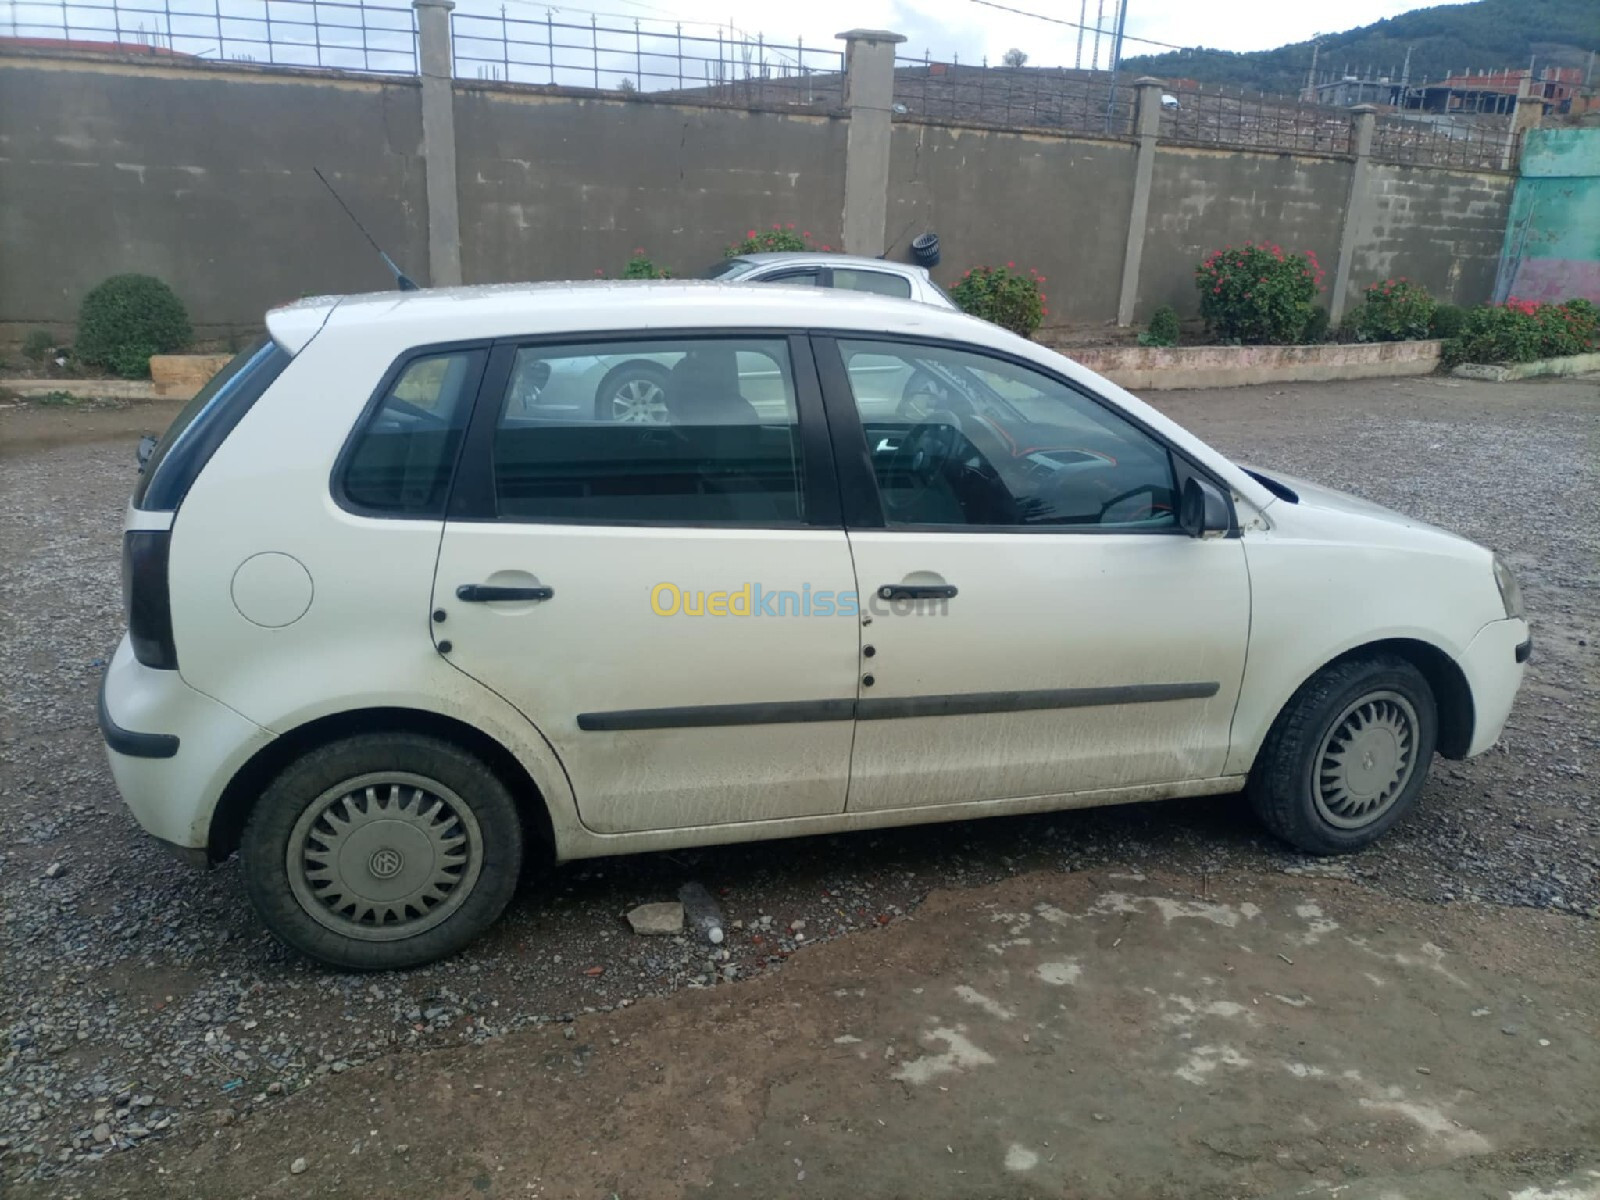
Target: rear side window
(204,423)
(400,463)
(880,283)
(677,431)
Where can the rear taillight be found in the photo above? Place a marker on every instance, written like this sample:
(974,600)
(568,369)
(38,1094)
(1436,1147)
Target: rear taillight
(146,598)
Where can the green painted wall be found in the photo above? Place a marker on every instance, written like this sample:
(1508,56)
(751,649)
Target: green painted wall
(1552,243)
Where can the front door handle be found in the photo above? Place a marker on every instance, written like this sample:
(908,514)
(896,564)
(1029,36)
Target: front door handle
(484,593)
(916,591)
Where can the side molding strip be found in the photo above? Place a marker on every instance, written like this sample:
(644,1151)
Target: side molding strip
(705,716)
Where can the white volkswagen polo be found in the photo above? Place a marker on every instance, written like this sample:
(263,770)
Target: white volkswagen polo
(399,608)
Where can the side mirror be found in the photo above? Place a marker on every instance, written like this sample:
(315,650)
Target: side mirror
(1202,509)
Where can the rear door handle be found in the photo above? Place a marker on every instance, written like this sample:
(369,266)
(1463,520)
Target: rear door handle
(916,591)
(484,593)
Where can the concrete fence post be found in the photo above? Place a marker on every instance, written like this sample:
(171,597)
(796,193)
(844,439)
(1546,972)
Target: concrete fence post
(1364,120)
(1147,125)
(436,63)
(868,95)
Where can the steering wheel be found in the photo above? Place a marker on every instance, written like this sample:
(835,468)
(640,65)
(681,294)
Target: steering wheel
(921,458)
(1142,513)
(925,393)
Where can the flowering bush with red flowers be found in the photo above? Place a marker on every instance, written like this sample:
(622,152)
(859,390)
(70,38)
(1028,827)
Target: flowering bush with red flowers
(1395,310)
(642,266)
(1525,330)
(1004,296)
(1257,294)
(779,237)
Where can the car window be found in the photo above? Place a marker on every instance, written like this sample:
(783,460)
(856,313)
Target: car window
(402,460)
(675,431)
(960,438)
(803,277)
(882,283)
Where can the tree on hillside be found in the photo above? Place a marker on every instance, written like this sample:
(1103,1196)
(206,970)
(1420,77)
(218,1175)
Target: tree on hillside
(1015,58)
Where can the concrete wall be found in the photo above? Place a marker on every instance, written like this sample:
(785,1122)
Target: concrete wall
(1058,205)
(203,178)
(201,174)
(558,187)
(1203,200)
(1440,227)
(1552,239)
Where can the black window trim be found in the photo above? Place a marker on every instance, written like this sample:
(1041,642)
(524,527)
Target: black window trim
(858,486)
(472,495)
(369,413)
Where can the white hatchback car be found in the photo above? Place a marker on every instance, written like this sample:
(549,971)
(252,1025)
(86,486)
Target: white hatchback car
(391,623)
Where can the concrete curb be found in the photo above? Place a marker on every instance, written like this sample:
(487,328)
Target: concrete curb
(1572,364)
(1159,368)
(90,389)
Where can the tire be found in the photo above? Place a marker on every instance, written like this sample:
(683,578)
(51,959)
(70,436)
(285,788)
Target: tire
(436,869)
(1316,799)
(640,384)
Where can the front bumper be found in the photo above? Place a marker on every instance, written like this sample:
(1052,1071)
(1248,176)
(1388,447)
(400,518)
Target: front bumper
(172,750)
(1494,665)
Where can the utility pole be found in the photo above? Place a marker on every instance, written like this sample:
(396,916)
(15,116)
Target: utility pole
(1083,19)
(1100,19)
(1311,75)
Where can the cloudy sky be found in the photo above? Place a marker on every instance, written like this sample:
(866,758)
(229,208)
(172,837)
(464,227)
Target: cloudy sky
(967,28)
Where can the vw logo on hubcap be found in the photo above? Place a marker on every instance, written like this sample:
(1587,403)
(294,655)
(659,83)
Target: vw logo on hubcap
(385,863)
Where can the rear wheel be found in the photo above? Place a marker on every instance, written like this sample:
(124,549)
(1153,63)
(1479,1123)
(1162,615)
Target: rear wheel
(1348,756)
(382,851)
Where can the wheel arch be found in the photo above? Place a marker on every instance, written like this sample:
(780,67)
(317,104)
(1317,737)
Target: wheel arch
(244,790)
(1452,694)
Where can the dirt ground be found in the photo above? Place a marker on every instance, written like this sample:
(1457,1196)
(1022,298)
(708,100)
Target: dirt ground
(1150,1001)
(1083,1035)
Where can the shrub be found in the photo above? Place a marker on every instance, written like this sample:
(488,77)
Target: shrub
(1395,310)
(1163,330)
(1316,330)
(39,345)
(128,318)
(1447,321)
(1525,330)
(642,266)
(1004,296)
(1257,294)
(779,237)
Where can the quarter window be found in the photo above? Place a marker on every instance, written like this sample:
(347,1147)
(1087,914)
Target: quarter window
(962,439)
(678,431)
(401,464)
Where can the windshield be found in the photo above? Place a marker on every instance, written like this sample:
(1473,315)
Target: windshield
(728,268)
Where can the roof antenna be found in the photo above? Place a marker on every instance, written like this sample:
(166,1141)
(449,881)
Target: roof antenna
(401,280)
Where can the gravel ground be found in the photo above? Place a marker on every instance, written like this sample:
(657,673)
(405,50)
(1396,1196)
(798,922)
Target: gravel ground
(142,999)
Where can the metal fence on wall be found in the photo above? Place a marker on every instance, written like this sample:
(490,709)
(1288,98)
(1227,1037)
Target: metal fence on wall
(1011,97)
(344,34)
(646,57)
(1487,144)
(1217,118)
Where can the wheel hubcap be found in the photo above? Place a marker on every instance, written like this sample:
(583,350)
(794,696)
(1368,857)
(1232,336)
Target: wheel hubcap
(1366,760)
(639,401)
(384,856)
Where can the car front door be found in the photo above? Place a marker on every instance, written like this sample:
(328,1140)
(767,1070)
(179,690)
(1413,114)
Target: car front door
(1035,622)
(650,596)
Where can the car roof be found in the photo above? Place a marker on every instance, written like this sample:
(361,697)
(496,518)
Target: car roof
(828,258)
(434,315)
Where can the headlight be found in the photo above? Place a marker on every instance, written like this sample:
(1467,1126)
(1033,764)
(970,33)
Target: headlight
(1510,592)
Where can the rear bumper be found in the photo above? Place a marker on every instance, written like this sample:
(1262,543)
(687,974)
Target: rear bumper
(1494,665)
(172,750)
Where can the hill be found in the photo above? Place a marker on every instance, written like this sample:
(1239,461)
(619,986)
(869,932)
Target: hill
(1443,40)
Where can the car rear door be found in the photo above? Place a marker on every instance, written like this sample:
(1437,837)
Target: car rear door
(1035,624)
(659,600)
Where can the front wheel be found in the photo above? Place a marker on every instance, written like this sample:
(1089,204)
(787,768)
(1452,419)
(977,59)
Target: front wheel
(1347,757)
(381,851)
